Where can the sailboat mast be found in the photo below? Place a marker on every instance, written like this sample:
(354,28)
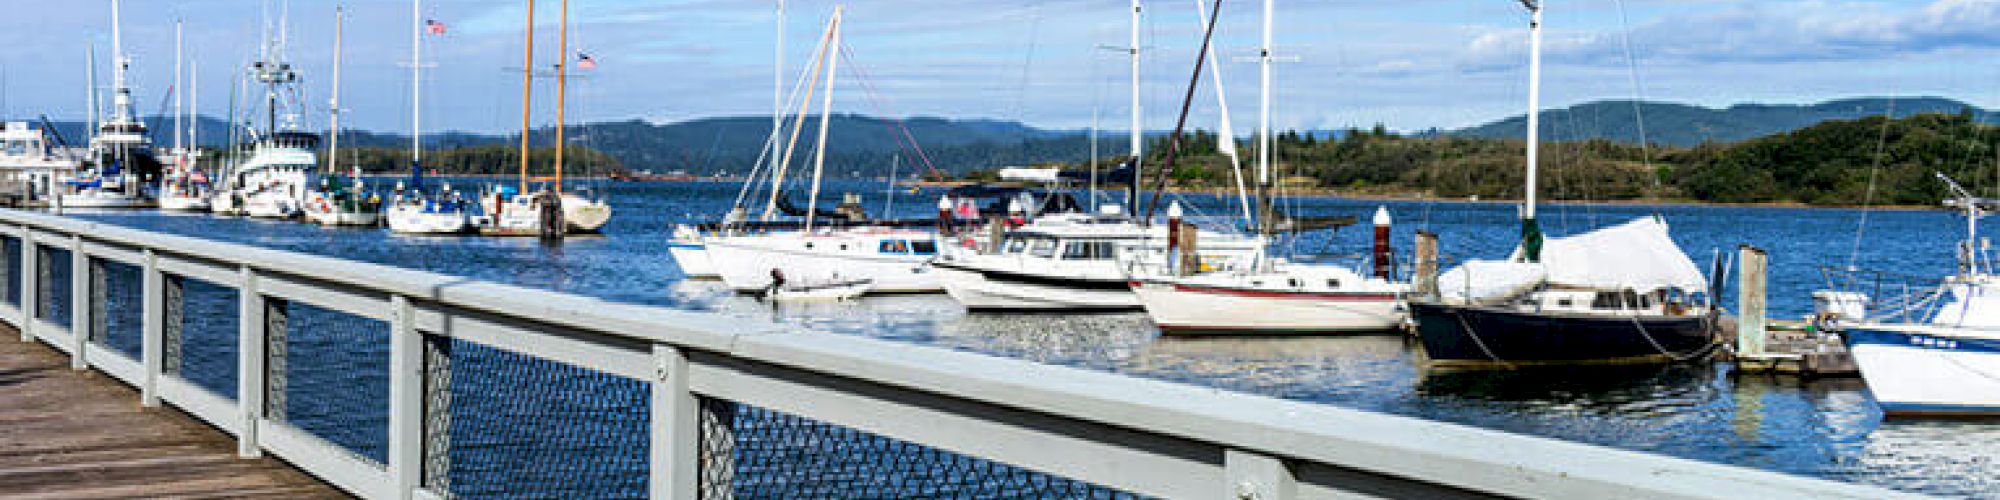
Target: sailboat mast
(1531,231)
(527,97)
(177,90)
(1264,141)
(527,93)
(1138,133)
(832,57)
(798,123)
(194,108)
(333,105)
(562,92)
(416,84)
(90,73)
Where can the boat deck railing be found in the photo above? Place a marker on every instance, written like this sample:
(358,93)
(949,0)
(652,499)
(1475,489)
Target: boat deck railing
(397,383)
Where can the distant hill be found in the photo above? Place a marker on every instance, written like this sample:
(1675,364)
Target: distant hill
(1685,125)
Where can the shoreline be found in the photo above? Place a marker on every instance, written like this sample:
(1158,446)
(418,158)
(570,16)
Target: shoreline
(1336,193)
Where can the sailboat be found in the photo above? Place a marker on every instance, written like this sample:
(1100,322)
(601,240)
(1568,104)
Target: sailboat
(337,201)
(413,209)
(686,246)
(121,161)
(273,182)
(892,259)
(552,211)
(1625,293)
(1080,261)
(184,187)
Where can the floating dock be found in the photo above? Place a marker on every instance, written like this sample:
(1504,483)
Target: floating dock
(1783,347)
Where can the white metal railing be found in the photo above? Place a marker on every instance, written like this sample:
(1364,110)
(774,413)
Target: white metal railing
(1147,437)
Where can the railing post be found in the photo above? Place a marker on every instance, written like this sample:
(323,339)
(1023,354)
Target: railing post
(81,325)
(152,341)
(30,301)
(249,363)
(1250,476)
(406,398)
(676,427)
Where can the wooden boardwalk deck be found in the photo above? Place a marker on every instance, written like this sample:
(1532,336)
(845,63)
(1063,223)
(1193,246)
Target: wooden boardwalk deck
(73,434)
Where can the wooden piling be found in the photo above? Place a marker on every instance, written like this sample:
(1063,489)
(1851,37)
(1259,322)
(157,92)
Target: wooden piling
(1427,264)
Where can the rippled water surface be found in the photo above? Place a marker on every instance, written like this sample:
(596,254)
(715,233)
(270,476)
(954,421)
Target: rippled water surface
(1823,428)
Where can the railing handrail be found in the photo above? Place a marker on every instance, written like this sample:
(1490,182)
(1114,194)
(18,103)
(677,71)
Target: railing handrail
(1453,455)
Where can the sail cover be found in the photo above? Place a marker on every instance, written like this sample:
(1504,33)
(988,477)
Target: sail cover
(1637,255)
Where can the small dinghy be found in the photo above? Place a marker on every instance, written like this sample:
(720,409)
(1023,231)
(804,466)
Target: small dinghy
(834,290)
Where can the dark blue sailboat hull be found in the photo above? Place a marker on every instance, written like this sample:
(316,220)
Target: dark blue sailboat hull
(1487,335)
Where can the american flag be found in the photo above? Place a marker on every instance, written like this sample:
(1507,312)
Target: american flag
(434,27)
(583,61)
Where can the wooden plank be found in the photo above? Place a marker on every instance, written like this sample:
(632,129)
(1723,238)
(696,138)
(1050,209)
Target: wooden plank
(70,434)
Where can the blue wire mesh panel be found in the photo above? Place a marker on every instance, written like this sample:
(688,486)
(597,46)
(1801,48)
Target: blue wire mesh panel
(119,317)
(209,336)
(12,274)
(330,377)
(52,288)
(524,427)
(780,455)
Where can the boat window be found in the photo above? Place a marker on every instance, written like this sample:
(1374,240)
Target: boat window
(1333,283)
(1087,250)
(898,247)
(923,247)
(1016,244)
(1566,302)
(1605,300)
(1042,248)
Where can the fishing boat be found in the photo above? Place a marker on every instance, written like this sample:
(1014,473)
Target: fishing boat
(1943,357)
(273,183)
(121,164)
(337,201)
(1624,293)
(413,209)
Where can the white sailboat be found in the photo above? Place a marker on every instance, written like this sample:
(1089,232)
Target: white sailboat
(121,152)
(184,187)
(1270,295)
(686,246)
(552,211)
(1944,359)
(893,260)
(413,209)
(337,201)
(1078,261)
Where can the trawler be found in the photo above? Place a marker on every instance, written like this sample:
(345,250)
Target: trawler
(274,181)
(121,162)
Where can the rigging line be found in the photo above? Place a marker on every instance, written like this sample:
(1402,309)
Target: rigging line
(1639,96)
(1868,198)
(1027,69)
(899,127)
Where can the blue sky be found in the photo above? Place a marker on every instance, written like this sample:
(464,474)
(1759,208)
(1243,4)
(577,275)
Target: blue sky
(1410,64)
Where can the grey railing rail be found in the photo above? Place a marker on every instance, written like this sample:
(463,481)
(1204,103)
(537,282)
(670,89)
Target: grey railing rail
(1131,435)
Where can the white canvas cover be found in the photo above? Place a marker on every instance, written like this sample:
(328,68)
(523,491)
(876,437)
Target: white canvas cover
(1485,280)
(1637,255)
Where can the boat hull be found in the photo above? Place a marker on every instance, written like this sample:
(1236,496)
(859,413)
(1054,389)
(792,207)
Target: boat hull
(1472,335)
(1194,309)
(747,267)
(1912,373)
(415,221)
(344,218)
(184,203)
(989,290)
(104,201)
(692,257)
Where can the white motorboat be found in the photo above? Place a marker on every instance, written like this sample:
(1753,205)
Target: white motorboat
(1944,360)
(30,164)
(1072,262)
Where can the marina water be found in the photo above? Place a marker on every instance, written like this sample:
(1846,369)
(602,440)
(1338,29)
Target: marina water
(1823,428)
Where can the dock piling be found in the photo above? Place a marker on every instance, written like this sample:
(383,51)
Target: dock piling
(1427,264)
(1750,310)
